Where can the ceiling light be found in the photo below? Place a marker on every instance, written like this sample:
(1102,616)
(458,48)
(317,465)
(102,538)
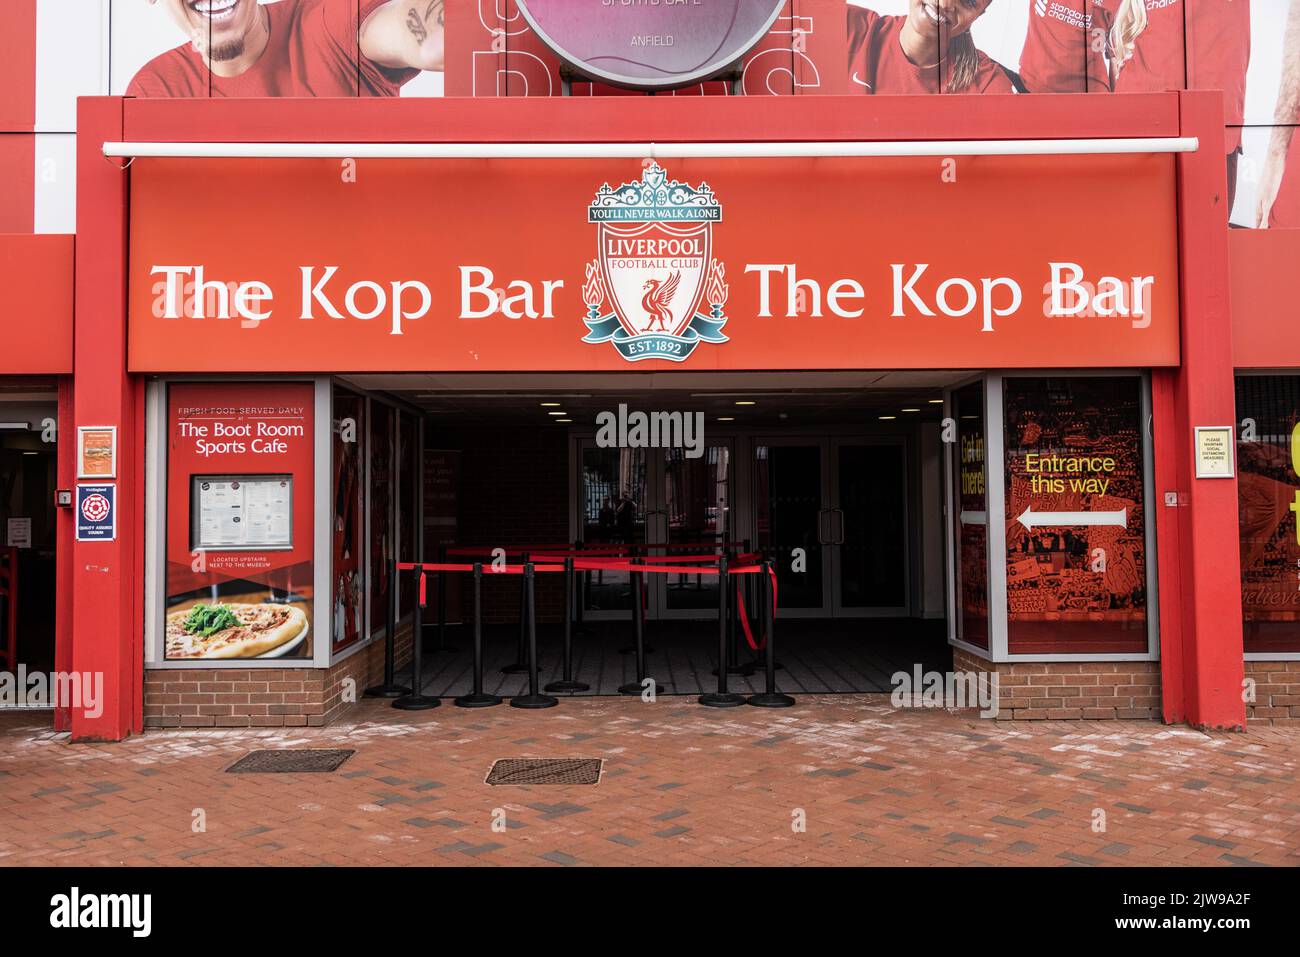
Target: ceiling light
(936,401)
(512,396)
(726,418)
(887,418)
(555,413)
(911,410)
(549,405)
(563,420)
(746,402)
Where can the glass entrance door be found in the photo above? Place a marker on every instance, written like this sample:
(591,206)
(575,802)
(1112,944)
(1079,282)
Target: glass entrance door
(693,508)
(832,512)
(834,515)
(653,496)
(869,555)
(793,520)
(613,506)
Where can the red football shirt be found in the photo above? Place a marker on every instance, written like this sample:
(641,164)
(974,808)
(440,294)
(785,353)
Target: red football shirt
(877,61)
(1065,46)
(313,50)
(1217,42)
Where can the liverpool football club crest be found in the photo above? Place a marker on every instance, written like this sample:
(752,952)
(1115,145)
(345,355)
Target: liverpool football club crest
(654,273)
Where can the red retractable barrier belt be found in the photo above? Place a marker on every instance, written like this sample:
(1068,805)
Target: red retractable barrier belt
(488,569)
(744,615)
(698,559)
(569,548)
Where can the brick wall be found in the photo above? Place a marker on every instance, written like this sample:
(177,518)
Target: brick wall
(1071,690)
(263,697)
(514,489)
(1277,692)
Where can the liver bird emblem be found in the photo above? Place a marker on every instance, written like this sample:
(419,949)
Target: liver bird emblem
(658,295)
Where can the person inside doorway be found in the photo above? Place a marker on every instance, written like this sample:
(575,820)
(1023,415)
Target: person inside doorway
(625,519)
(929,50)
(294,48)
(607,520)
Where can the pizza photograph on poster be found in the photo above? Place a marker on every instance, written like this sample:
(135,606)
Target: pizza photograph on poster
(239,521)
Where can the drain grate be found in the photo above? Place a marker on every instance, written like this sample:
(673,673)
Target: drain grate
(545,771)
(296,760)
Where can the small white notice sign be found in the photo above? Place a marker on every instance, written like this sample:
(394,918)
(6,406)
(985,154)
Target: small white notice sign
(1215,445)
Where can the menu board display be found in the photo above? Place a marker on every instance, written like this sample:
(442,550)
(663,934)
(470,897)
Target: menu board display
(242,511)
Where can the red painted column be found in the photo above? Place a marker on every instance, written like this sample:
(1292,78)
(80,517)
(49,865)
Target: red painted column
(1200,574)
(106,627)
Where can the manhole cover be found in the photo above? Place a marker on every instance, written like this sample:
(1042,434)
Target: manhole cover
(545,771)
(290,760)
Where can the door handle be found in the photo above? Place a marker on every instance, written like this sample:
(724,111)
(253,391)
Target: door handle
(840,524)
(823,538)
(649,528)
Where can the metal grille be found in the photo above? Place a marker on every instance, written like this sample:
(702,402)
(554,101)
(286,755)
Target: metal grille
(545,771)
(297,760)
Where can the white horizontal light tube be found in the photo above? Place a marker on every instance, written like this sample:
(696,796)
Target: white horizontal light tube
(1041,147)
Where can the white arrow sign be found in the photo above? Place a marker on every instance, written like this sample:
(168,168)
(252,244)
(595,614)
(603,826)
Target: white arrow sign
(973,518)
(1029,518)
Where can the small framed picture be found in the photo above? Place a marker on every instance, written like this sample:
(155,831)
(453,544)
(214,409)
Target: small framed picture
(96,451)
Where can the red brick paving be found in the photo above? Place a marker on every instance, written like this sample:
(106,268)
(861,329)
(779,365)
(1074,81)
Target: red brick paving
(682,785)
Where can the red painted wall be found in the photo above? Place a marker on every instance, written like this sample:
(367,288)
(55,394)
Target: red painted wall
(1265,334)
(36,273)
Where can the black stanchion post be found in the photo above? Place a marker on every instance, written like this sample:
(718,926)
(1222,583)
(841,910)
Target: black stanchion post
(770,697)
(442,602)
(417,700)
(476,698)
(732,629)
(566,682)
(637,648)
(534,699)
(722,698)
(390,688)
(580,599)
(519,666)
(638,637)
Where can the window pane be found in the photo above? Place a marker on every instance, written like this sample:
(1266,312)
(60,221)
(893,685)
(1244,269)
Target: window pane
(972,523)
(1076,552)
(1268,489)
(348,527)
(380,462)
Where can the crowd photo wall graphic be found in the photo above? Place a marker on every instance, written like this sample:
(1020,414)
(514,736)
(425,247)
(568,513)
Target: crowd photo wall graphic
(1249,49)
